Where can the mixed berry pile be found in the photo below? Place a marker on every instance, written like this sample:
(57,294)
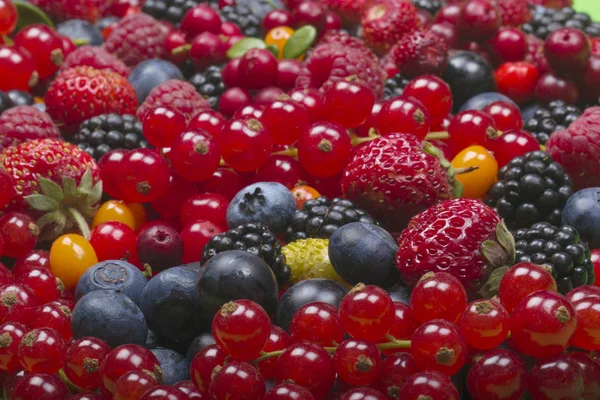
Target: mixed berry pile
(299,200)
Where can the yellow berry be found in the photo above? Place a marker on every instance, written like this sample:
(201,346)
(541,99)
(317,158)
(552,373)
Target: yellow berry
(70,256)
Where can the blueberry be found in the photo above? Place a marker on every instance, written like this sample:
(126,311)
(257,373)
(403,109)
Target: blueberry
(151,341)
(400,294)
(309,291)
(269,203)
(234,275)
(174,365)
(80,30)
(468,75)
(151,73)
(482,100)
(170,303)
(20,98)
(364,253)
(582,211)
(119,276)
(201,341)
(110,316)
(5,102)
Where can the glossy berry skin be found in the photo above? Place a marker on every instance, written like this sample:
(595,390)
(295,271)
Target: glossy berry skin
(35,259)
(357,362)
(567,50)
(164,393)
(367,312)
(404,323)
(432,384)
(521,280)
(312,100)
(133,384)
(114,241)
(14,300)
(506,115)
(438,345)
(44,45)
(283,169)
(434,94)
(542,323)
(242,329)
(201,18)
(591,375)
(395,369)
(19,65)
(257,69)
(317,323)
(188,388)
(159,245)
(512,144)
(348,102)
(517,80)
(42,283)
(162,125)
(484,324)
(54,315)
(286,120)
(304,193)
(324,149)
(8,17)
(309,366)
(194,237)
(6,276)
(145,176)
(195,155)
(483,169)
(509,44)
(203,364)
(19,233)
(278,340)
(587,332)
(207,206)
(288,391)
(245,144)
(169,204)
(560,374)
(404,115)
(40,387)
(82,361)
(479,20)
(11,334)
(110,167)
(363,393)
(70,256)
(498,375)
(583,292)
(438,295)
(42,350)
(237,381)
(209,121)
(470,128)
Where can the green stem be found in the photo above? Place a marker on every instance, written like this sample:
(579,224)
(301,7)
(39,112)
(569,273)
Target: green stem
(81,223)
(293,152)
(360,140)
(182,49)
(396,344)
(80,42)
(437,135)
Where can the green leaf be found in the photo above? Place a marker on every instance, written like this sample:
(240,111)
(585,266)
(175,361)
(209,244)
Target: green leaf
(273,49)
(458,188)
(300,42)
(95,194)
(241,47)
(30,14)
(69,187)
(85,185)
(40,202)
(490,289)
(506,240)
(494,254)
(51,189)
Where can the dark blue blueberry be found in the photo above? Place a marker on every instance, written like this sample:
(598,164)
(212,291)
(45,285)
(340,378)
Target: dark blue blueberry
(116,275)
(110,316)
(529,111)
(482,100)
(20,97)
(269,203)
(201,341)
(399,294)
(151,341)
(174,365)
(234,275)
(309,291)
(170,304)
(151,73)
(364,253)
(582,212)
(81,31)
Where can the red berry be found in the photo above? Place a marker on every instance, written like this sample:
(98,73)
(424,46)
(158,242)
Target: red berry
(19,234)
(164,393)
(434,94)
(470,128)
(583,292)
(230,29)
(203,364)
(521,280)
(42,350)
(82,361)
(250,111)
(517,80)
(208,49)
(5,275)
(278,340)
(333,22)
(283,169)
(44,45)
(201,18)
(205,207)
(209,121)
(317,323)
(558,374)
(42,283)
(587,332)
(11,334)
(324,149)
(229,74)
(288,71)
(506,115)
(395,369)
(39,387)
(567,50)
(438,295)
(8,17)
(484,324)
(245,144)
(267,96)
(367,312)
(237,380)
(173,40)
(431,384)
(404,115)
(144,177)
(162,125)
(286,120)
(195,155)
(310,12)
(438,345)
(479,20)
(14,300)
(357,362)
(499,374)
(512,144)
(224,181)
(232,100)
(188,388)
(114,241)
(257,69)
(591,375)
(595,260)
(510,44)
(133,384)
(169,204)
(288,391)
(542,323)
(447,31)
(348,102)
(195,236)
(551,87)
(32,260)
(19,65)
(54,315)
(372,121)
(276,18)
(111,166)
(363,393)
(312,99)
(405,322)
(159,245)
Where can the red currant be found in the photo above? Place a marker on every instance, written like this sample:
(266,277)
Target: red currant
(348,102)
(587,332)
(188,388)
(479,20)
(395,369)
(258,69)
(521,280)
(114,241)
(164,393)
(203,365)
(591,375)
(42,350)
(367,312)
(201,18)
(484,324)
(283,169)
(42,283)
(224,181)
(6,276)
(233,100)
(567,50)
(499,374)
(144,177)
(560,374)
(245,144)
(434,94)
(162,125)
(317,323)
(506,115)
(195,236)
(324,149)
(430,384)
(313,100)
(82,361)
(512,144)
(251,111)
(209,121)
(8,17)
(44,45)
(237,381)
(278,340)
(551,87)
(405,322)
(333,22)
(583,292)
(517,80)
(40,387)
(169,204)
(207,49)
(471,127)
(285,119)
(438,295)
(595,256)
(205,207)
(86,396)
(267,96)
(510,44)
(276,18)
(365,129)
(438,345)
(542,324)
(19,233)
(15,299)
(11,334)
(405,115)
(133,384)
(195,155)
(53,315)
(288,71)
(288,391)
(357,362)
(111,165)
(35,259)
(19,65)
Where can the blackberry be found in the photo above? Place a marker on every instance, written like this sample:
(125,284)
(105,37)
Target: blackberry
(531,188)
(169,10)
(14,98)
(431,6)
(319,218)
(255,238)
(546,20)
(209,84)
(103,133)
(395,86)
(248,14)
(560,249)
(556,117)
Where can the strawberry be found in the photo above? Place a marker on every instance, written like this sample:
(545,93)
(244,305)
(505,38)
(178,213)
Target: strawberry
(463,237)
(61,10)
(386,21)
(55,182)
(80,93)
(397,176)
(349,10)
(420,52)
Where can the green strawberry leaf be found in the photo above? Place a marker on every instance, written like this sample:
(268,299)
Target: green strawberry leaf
(490,289)
(51,189)
(40,202)
(85,184)
(300,42)
(30,14)
(241,47)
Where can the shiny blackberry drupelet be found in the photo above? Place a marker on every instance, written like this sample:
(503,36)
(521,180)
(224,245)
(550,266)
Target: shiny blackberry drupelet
(557,116)
(531,188)
(14,98)
(103,133)
(546,20)
(319,218)
(254,238)
(395,86)
(431,6)
(169,10)
(558,248)
(248,14)
(209,84)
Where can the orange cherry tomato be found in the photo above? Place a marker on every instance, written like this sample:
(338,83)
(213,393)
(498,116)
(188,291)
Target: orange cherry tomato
(114,210)
(279,36)
(70,256)
(304,193)
(476,183)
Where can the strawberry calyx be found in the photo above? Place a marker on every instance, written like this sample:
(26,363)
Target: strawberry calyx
(66,208)
(457,187)
(499,253)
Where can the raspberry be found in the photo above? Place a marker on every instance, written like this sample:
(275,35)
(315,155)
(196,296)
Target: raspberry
(345,40)
(24,123)
(385,22)
(577,149)
(349,10)
(420,52)
(95,57)
(514,12)
(177,95)
(61,10)
(137,38)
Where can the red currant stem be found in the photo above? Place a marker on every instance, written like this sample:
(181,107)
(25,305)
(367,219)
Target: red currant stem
(460,171)
(222,163)
(396,344)
(291,152)
(181,49)
(147,271)
(80,42)
(359,140)
(81,223)
(7,40)
(72,387)
(437,135)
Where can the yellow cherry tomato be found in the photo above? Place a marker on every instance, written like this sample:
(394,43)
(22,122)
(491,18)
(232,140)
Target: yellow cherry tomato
(114,210)
(279,36)
(477,182)
(139,214)
(70,256)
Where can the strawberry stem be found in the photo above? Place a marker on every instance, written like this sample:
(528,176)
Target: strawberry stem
(81,223)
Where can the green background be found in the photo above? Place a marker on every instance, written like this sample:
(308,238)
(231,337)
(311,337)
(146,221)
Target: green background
(591,7)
